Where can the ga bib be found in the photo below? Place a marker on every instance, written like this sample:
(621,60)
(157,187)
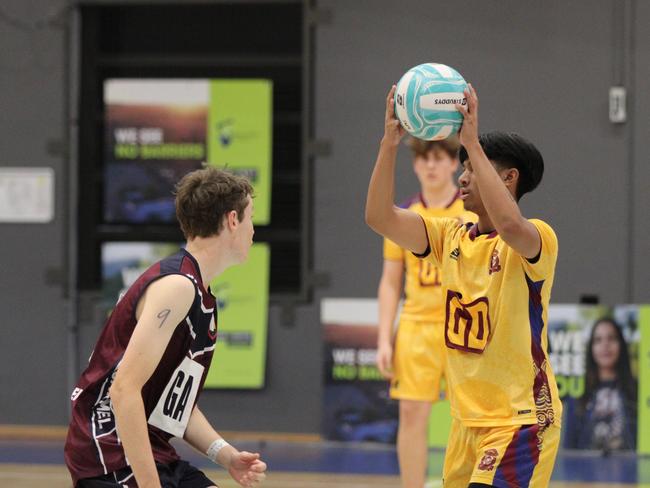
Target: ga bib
(172,413)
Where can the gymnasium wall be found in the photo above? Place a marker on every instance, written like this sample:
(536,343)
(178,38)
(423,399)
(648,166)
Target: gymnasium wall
(543,70)
(32,304)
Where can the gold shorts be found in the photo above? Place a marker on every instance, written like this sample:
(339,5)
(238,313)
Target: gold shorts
(520,456)
(418,361)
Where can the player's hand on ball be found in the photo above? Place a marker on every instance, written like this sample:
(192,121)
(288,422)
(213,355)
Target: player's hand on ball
(469,130)
(393,130)
(385,360)
(247,468)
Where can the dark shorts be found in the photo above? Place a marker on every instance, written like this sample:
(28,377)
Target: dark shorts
(180,474)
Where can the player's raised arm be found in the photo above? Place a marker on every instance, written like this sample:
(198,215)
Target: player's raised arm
(403,227)
(496,189)
(163,306)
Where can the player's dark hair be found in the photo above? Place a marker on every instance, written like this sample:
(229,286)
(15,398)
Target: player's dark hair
(449,146)
(624,379)
(205,196)
(509,150)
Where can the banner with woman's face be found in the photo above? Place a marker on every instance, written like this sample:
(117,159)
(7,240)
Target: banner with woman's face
(594,351)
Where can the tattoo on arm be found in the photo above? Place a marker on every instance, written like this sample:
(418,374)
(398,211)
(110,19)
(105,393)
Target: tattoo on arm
(163,316)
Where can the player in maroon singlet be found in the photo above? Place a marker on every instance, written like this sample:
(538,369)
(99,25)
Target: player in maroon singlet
(150,362)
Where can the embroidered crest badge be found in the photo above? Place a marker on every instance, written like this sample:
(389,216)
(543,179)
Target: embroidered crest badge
(489,460)
(495,265)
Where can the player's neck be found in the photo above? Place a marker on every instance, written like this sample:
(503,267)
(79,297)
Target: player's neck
(211,257)
(439,197)
(607,374)
(484,223)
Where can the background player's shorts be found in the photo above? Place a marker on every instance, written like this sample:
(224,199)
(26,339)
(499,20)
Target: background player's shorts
(510,456)
(180,474)
(418,361)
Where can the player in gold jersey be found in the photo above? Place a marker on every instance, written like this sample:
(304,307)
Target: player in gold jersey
(416,367)
(497,275)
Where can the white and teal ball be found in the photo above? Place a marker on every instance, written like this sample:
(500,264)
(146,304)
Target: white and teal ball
(425,101)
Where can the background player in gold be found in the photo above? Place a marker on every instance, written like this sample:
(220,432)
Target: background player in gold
(497,276)
(417,365)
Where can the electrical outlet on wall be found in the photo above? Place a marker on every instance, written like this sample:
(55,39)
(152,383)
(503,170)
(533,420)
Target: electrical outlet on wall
(617,112)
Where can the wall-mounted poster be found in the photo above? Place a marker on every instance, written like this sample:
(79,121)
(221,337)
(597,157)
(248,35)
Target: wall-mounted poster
(595,357)
(157,130)
(243,298)
(356,403)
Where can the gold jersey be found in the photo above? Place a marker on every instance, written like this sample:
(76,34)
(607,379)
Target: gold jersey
(422,284)
(496,316)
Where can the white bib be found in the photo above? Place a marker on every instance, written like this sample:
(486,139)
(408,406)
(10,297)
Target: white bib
(172,413)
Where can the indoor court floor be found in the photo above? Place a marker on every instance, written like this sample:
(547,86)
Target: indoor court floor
(313,464)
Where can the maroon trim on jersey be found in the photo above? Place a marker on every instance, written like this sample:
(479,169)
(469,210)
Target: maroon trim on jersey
(541,386)
(420,197)
(474,232)
(427,251)
(411,200)
(199,278)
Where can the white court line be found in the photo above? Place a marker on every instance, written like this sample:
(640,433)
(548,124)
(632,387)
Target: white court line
(314,483)
(433,484)
(268,483)
(10,475)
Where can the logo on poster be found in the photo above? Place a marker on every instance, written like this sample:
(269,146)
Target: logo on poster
(226,133)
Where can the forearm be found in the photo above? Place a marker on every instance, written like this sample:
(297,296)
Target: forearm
(200,435)
(380,200)
(499,203)
(134,435)
(389,296)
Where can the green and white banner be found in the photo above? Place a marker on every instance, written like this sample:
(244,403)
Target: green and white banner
(240,135)
(243,295)
(158,130)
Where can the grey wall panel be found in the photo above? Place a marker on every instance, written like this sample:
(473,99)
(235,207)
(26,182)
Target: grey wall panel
(641,161)
(33,350)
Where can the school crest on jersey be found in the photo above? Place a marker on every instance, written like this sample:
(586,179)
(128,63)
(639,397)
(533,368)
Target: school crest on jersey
(489,460)
(495,265)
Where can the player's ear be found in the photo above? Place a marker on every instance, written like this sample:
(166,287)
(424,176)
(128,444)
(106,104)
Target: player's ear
(232,219)
(510,176)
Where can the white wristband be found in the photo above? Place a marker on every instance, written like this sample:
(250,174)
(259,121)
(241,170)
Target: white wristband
(215,447)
